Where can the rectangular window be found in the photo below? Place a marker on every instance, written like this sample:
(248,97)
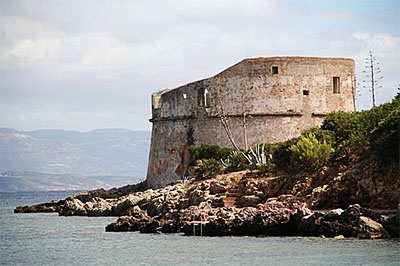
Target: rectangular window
(203,97)
(336,84)
(274,70)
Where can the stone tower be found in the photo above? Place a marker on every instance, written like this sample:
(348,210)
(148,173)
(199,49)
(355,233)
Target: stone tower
(267,99)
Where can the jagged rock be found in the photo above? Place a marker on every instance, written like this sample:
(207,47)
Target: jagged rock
(197,196)
(248,200)
(123,224)
(334,223)
(170,222)
(319,197)
(369,229)
(99,207)
(367,186)
(272,218)
(333,214)
(349,223)
(86,196)
(72,206)
(137,221)
(125,203)
(43,207)
(392,225)
(217,187)
(398,212)
(266,187)
(349,220)
(310,225)
(95,207)
(150,227)
(171,209)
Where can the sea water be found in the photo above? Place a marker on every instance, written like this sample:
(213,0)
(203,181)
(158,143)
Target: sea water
(48,239)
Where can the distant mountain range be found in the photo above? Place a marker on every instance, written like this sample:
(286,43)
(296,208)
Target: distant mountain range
(31,181)
(86,157)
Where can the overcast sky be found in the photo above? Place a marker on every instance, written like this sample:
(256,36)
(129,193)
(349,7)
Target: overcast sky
(87,64)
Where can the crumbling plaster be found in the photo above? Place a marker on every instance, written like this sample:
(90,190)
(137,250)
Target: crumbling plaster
(277,107)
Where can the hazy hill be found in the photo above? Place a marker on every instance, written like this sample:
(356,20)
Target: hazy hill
(102,152)
(32,181)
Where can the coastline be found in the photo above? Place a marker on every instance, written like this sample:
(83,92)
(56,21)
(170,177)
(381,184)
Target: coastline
(203,207)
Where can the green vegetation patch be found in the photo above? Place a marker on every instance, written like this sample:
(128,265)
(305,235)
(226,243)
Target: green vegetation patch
(340,135)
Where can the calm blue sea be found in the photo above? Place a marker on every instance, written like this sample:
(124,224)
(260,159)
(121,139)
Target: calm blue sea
(47,239)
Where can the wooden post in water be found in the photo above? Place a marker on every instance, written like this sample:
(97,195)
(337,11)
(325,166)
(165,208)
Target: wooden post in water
(194,225)
(201,225)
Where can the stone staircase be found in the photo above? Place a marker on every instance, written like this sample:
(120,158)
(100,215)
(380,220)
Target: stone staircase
(231,196)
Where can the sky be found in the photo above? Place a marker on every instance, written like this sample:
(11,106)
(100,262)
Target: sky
(88,64)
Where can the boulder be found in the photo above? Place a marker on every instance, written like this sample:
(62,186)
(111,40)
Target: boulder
(275,217)
(43,207)
(369,229)
(72,206)
(310,225)
(333,214)
(350,222)
(137,221)
(170,222)
(125,203)
(248,201)
(398,212)
(196,196)
(100,207)
(333,223)
(217,187)
(339,237)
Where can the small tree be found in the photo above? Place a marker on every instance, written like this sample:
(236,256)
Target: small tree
(219,106)
(372,74)
(309,154)
(208,168)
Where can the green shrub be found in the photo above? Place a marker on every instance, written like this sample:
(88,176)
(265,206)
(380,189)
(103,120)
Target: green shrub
(234,162)
(385,136)
(377,129)
(208,151)
(267,167)
(309,154)
(280,153)
(208,168)
(346,128)
(341,132)
(321,134)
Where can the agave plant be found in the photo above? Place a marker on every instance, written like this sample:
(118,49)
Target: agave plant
(185,181)
(226,162)
(257,157)
(235,161)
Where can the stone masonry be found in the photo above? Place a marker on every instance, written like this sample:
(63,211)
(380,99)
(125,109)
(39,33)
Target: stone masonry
(266,99)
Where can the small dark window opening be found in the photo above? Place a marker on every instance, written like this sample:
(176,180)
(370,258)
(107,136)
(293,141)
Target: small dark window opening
(202,97)
(274,70)
(306,92)
(336,84)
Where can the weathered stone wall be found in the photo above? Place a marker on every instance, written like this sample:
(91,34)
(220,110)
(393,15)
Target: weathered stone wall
(278,106)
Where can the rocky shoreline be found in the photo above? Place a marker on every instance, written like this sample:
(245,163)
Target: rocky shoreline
(246,204)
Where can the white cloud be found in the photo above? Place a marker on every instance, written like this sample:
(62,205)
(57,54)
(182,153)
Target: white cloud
(67,58)
(206,8)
